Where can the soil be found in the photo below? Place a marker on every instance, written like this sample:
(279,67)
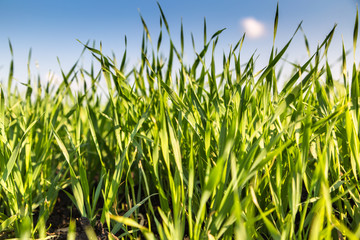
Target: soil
(64,211)
(59,220)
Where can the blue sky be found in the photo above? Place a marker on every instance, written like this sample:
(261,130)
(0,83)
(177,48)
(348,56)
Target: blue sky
(51,28)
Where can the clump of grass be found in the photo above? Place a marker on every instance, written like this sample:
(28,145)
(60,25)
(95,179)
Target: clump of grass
(189,152)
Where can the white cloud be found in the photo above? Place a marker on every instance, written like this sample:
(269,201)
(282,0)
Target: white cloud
(253,28)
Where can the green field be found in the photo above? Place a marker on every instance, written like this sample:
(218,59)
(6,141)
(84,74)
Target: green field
(185,152)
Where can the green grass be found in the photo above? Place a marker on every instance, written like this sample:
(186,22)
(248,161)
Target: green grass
(194,152)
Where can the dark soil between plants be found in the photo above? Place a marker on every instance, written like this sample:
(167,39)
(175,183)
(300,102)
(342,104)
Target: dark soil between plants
(63,212)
